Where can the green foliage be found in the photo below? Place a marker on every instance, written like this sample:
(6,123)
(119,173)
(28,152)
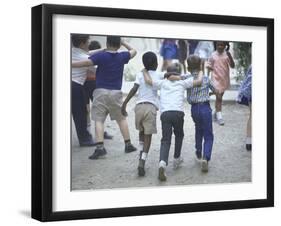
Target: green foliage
(243,58)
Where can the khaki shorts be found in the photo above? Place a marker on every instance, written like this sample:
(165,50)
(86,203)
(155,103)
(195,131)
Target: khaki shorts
(145,118)
(106,102)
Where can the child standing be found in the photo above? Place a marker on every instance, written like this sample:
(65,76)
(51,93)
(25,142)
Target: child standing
(146,106)
(168,51)
(107,97)
(245,98)
(80,45)
(220,63)
(172,115)
(201,113)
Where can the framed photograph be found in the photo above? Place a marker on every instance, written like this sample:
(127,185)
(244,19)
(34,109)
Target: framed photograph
(114,91)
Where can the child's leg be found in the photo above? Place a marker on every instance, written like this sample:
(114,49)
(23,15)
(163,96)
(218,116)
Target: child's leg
(206,119)
(141,137)
(218,106)
(178,122)
(99,129)
(166,136)
(123,126)
(218,103)
(249,130)
(195,113)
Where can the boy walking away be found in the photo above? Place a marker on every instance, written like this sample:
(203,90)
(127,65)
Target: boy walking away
(172,115)
(107,97)
(146,106)
(201,113)
(90,86)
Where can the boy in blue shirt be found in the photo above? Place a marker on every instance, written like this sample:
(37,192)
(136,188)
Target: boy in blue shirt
(107,97)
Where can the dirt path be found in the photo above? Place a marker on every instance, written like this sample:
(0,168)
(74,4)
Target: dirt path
(230,163)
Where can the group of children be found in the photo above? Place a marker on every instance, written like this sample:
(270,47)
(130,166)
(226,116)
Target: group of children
(107,99)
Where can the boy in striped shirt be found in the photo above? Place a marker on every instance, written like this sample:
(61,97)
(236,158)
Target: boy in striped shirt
(201,113)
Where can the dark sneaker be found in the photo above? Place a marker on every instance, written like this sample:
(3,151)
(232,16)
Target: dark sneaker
(141,170)
(162,174)
(106,136)
(129,148)
(249,147)
(204,166)
(198,156)
(88,143)
(99,152)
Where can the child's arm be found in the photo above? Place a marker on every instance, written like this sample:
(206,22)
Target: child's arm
(128,98)
(147,78)
(92,52)
(83,63)
(231,61)
(132,51)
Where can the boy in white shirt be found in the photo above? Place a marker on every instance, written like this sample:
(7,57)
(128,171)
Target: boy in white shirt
(146,106)
(172,114)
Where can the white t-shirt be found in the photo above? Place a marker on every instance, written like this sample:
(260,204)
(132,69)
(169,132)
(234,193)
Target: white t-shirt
(79,75)
(172,93)
(147,93)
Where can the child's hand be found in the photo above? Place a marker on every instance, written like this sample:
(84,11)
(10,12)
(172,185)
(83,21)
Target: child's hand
(174,77)
(123,110)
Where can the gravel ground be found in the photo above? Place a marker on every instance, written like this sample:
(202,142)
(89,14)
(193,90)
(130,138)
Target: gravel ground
(230,163)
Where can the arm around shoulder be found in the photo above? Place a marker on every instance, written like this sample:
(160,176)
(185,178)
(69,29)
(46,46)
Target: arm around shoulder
(83,63)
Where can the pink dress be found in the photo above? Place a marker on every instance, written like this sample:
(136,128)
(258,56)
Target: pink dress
(220,74)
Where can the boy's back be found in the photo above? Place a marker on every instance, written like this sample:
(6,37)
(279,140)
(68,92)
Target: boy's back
(109,73)
(146,93)
(199,94)
(172,94)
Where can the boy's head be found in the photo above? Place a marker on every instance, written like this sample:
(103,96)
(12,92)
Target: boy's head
(149,60)
(113,42)
(194,63)
(80,41)
(175,67)
(94,45)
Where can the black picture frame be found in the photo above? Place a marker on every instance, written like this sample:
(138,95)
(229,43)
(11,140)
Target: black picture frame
(42,108)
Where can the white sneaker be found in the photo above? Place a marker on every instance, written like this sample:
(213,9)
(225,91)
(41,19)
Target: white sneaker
(215,117)
(204,166)
(220,122)
(177,163)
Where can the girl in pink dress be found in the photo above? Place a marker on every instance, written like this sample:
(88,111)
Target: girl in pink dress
(220,63)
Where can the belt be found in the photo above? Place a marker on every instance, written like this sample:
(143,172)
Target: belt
(145,102)
(201,103)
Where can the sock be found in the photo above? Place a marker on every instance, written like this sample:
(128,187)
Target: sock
(162,163)
(144,156)
(248,140)
(127,142)
(99,145)
(219,115)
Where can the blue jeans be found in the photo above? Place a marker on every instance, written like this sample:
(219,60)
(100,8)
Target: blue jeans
(171,121)
(202,116)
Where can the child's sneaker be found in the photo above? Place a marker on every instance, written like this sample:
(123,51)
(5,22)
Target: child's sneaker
(249,147)
(204,166)
(141,170)
(220,122)
(99,152)
(161,174)
(177,162)
(129,148)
